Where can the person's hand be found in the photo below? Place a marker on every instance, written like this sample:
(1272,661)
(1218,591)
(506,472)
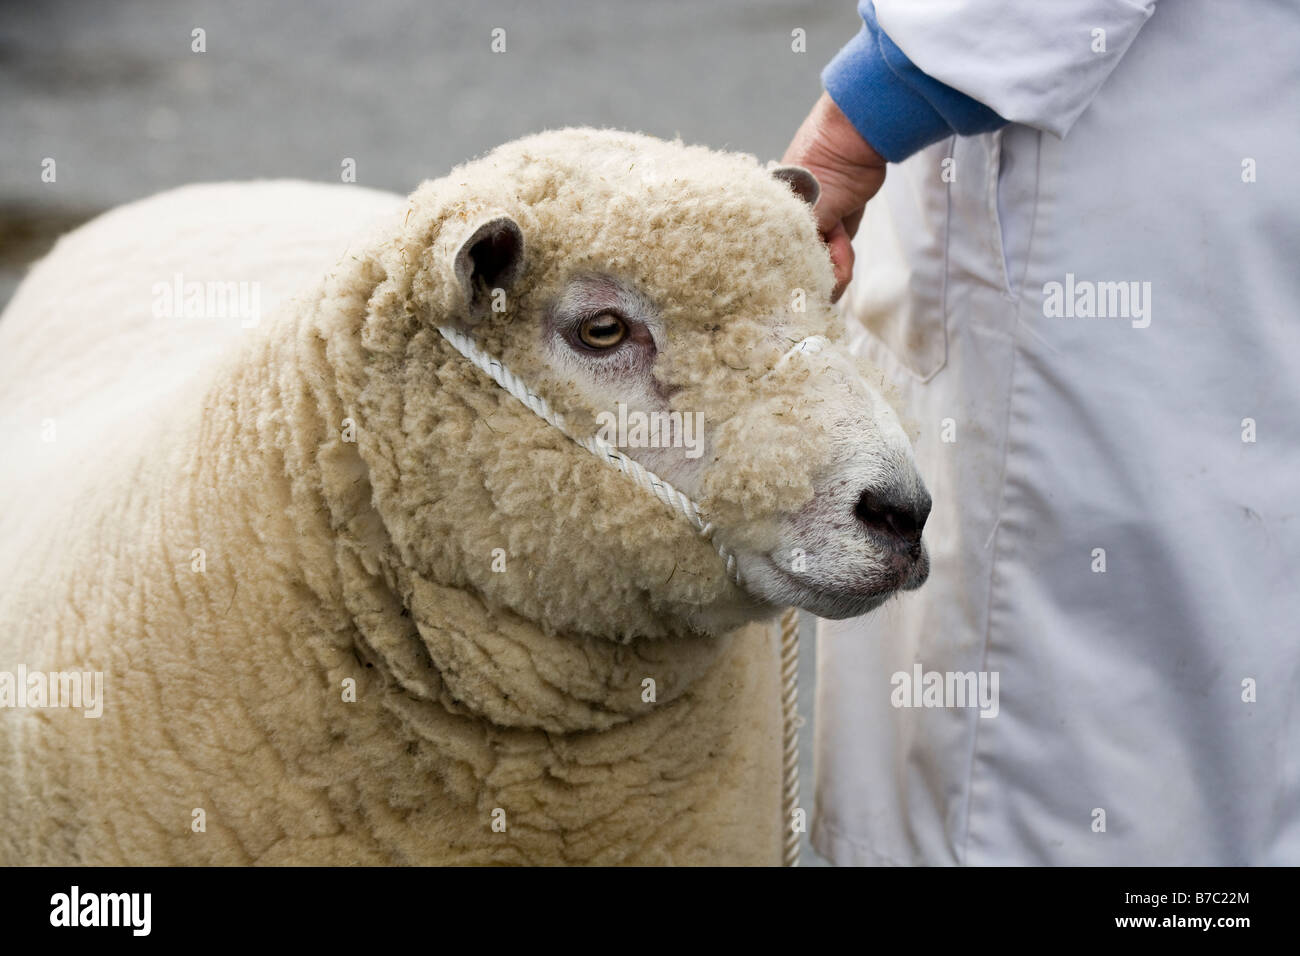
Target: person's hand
(850,173)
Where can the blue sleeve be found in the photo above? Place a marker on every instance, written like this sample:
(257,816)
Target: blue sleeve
(897,108)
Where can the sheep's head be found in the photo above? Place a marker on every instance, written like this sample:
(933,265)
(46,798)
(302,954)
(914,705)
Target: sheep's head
(649,291)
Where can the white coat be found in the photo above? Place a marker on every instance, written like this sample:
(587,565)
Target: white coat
(1115,468)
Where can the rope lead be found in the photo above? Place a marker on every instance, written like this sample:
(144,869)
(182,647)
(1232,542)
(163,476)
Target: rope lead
(688,509)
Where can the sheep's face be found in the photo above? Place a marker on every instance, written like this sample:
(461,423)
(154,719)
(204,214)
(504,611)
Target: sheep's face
(843,550)
(653,293)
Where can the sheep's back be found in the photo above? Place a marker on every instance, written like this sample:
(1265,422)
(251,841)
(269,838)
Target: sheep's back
(85,363)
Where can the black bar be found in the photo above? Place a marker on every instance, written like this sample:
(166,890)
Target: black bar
(581,908)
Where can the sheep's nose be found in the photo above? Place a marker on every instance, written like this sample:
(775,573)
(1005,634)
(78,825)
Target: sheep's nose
(897,516)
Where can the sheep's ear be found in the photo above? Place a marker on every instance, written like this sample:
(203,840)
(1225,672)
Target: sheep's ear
(491,257)
(801,181)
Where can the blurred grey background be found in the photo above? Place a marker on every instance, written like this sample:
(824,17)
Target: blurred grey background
(112,91)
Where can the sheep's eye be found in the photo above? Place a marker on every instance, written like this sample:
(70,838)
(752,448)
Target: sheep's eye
(602,331)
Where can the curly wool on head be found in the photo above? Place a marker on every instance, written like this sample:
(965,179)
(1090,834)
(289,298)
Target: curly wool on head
(727,253)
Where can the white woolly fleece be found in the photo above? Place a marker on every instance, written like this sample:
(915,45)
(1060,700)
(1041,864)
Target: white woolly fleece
(277,542)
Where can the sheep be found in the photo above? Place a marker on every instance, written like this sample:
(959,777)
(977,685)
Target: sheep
(352,602)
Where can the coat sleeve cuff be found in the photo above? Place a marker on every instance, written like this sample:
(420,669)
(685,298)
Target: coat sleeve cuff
(892,104)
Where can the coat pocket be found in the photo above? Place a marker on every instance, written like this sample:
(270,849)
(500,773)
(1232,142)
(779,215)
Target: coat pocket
(951,225)
(898,291)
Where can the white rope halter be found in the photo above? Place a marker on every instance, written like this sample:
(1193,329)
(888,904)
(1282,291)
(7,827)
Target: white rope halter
(689,510)
(602,449)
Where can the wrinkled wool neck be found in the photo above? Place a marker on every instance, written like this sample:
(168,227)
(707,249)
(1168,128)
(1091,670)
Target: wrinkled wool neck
(495,665)
(306,490)
(260,485)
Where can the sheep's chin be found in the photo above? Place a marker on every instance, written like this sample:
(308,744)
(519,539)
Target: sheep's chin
(776,587)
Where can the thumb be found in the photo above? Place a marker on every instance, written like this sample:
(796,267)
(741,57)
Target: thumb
(841,250)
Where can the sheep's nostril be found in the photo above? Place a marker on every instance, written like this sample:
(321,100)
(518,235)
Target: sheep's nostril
(896,517)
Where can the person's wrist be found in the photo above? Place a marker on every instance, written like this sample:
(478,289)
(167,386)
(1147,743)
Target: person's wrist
(847,166)
(840,139)
(850,172)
